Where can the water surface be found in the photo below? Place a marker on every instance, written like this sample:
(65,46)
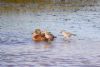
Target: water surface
(18,22)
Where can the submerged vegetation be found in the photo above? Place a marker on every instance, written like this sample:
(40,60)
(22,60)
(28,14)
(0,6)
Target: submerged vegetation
(38,5)
(47,1)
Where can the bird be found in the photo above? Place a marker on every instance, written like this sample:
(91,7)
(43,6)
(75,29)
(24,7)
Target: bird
(67,35)
(38,36)
(37,31)
(49,36)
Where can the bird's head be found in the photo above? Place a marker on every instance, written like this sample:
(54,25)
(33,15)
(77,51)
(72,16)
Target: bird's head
(37,31)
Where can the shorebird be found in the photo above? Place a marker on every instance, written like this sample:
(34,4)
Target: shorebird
(67,35)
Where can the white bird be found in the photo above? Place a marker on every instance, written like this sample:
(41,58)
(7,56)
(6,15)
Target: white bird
(67,35)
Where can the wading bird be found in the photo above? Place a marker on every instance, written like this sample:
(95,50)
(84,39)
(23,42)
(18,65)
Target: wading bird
(67,35)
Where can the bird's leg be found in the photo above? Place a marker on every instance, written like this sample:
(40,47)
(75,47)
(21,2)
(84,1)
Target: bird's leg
(65,39)
(68,41)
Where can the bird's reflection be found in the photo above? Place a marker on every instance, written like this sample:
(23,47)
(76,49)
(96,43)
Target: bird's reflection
(44,45)
(48,45)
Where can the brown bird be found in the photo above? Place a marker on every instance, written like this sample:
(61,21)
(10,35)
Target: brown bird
(37,35)
(49,37)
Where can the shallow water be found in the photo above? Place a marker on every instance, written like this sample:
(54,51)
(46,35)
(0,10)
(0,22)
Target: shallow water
(18,50)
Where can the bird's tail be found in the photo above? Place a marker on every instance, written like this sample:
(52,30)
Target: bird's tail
(74,34)
(55,37)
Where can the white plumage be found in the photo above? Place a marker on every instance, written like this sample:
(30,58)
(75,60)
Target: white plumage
(66,35)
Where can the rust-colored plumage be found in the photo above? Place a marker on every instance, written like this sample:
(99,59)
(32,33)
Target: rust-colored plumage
(49,36)
(38,36)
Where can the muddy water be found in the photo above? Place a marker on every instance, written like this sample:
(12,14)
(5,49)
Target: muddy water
(18,21)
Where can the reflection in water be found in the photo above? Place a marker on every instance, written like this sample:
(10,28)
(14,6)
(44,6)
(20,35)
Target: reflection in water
(44,45)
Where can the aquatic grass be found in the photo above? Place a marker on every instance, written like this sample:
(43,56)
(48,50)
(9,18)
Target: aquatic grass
(23,6)
(36,8)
